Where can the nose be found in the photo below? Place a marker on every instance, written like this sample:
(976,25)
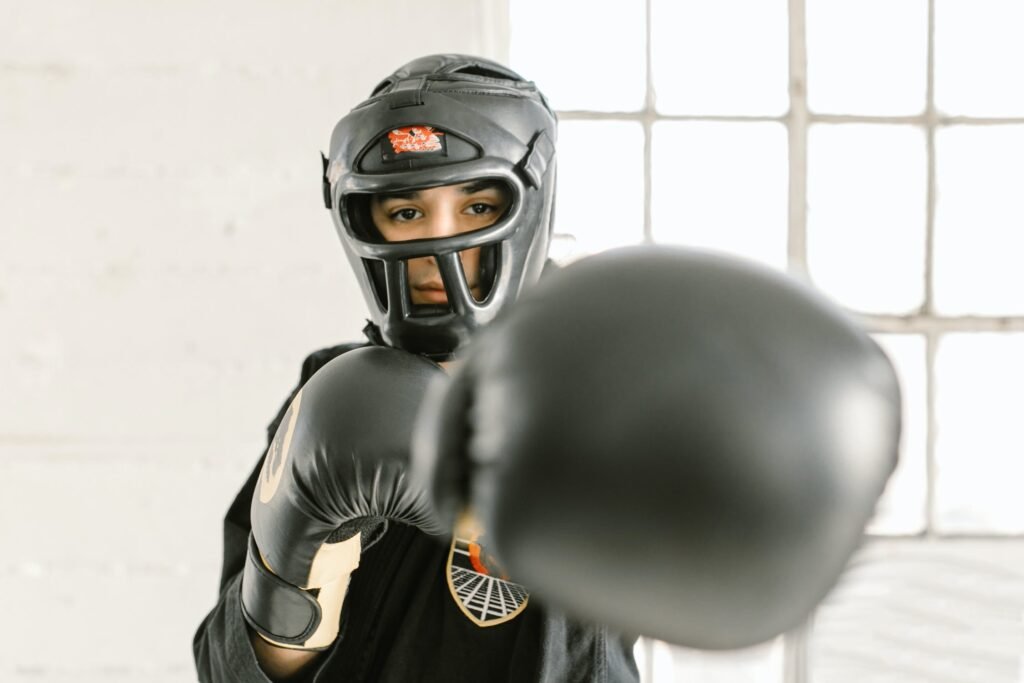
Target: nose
(442,224)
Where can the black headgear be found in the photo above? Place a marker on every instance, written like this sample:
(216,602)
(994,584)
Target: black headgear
(443,120)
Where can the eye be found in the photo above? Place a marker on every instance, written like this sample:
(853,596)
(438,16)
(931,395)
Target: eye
(406,214)
(480,208)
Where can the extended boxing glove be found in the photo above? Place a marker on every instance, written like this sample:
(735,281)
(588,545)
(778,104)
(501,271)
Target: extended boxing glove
(335,474)
(674,443)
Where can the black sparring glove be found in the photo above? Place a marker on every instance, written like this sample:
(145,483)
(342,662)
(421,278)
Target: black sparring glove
(673,443)
(333,477)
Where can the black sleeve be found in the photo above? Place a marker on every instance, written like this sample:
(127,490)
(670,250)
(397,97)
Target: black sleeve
(221,644)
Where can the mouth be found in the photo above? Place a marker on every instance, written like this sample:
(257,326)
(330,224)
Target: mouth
(430,294)
(435,293)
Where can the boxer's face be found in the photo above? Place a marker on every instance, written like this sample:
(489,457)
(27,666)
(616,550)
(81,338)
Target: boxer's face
(439,212)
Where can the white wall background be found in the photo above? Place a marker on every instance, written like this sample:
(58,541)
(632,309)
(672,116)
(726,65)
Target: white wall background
(165,265)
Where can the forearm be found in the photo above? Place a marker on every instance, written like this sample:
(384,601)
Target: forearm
(223,653)
(282,664)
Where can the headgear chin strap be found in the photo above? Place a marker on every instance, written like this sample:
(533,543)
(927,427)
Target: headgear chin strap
(444,120)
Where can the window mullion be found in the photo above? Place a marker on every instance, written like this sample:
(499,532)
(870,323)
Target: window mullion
(797,122)
(649,116)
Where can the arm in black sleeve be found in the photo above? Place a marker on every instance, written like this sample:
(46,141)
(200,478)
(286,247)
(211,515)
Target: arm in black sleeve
(221,645)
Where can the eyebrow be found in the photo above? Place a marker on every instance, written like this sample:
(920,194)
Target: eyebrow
(479,186)
(407,196)
(469,188)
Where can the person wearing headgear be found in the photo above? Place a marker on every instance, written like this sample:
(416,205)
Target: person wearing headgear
(441,187)
(662,441)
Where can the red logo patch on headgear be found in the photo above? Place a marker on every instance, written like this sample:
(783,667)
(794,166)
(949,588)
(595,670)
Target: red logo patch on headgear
(416,139)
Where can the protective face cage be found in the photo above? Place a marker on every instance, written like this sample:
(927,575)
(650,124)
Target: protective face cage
(444,120)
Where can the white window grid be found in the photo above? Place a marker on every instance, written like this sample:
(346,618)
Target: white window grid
(924,322)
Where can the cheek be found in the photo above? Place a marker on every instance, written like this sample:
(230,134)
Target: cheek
(380,222)
(471,263)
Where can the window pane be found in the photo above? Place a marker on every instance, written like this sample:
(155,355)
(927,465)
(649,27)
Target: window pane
(979,451)
(979,57)
(914,611)
(902,508)
(600,200)
(760,664)
(723,57)
(979,220)
(867,56)
(564,47)
(721,186)
(866,215)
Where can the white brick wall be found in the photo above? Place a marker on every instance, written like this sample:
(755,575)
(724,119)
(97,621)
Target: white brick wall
(165,265)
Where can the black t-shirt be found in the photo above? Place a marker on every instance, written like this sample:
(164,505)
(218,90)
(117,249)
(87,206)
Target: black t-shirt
(419,608)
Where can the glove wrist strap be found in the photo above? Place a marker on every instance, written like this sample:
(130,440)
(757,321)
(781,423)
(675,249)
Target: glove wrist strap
(274,608)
